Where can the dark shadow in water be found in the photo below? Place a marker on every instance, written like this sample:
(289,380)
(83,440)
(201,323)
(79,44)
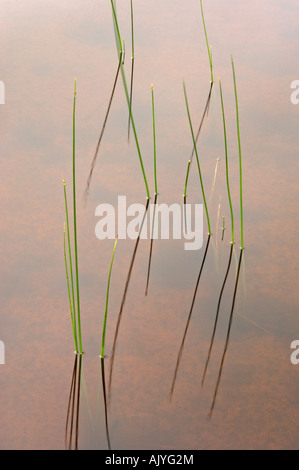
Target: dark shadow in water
(185,214)
(188,321)
(123,303)
(72,418)
(227,338)
(217,314)
(103,129)
(205,113)
(105,402)
(131,97)
(151,247)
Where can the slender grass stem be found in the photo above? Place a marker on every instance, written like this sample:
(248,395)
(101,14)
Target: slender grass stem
(69,292)
(107,300)
(73,306)
(205,113)
(154,138)
(131,95)
(209,48)
(124,52)
(226,164)
(116,26)
(197,159)
(240,153)
(132,66)
(132,30)
(75,217)
(187,177)
(119,47)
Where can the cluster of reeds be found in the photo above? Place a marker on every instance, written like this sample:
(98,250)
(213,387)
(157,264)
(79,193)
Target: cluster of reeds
(73,280)
(74,300)
(194,140)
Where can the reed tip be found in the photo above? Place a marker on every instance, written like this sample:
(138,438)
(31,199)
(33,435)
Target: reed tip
(152,86)
(63,227)
(63,181)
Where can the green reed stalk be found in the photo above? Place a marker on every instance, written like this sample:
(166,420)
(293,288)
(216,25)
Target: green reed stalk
(187,177)
(69,292)
(154,137)
(132,67)
(124,52)
(119,46)
(240,153)
(132,30)
(116,26)
(75,217)
(107,300)
(70,261)
(197,159)
(226,163)
(209,48)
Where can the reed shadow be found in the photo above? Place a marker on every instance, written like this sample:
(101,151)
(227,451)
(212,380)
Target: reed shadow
(227,337)
(123,303)
(180,353)
(217,314)
(151,246)
(95,156)
(184,212)
(72,418)
(105,402)
(205,113)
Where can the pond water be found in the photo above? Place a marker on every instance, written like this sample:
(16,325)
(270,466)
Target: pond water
(153,396)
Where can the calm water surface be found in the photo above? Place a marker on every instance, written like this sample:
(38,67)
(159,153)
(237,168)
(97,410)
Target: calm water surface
(154,394)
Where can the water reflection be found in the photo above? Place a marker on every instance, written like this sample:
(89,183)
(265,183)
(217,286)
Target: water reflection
(105,401)
(188,320)
(151,245)
(72,418)
(217,313)
(227,337)
(123,303)
(95,156)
